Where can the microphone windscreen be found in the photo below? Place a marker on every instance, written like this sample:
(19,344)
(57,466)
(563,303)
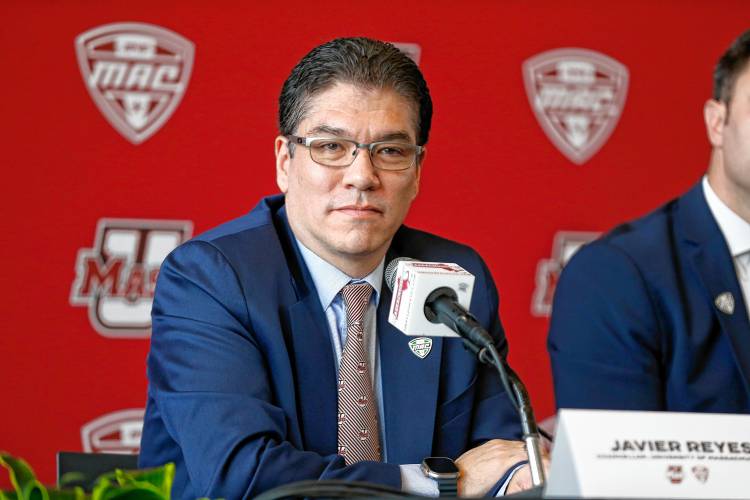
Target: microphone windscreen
(390,271)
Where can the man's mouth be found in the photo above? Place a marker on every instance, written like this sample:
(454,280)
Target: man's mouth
(359,211)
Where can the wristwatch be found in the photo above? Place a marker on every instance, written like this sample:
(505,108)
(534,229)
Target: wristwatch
(445,472)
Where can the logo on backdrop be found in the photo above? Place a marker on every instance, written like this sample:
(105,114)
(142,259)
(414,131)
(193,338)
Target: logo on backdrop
(577,96)
(116,278)
(136,73)
(564,245)
(413,50)
(116,432)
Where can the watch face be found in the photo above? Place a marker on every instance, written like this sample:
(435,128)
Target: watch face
(441,465)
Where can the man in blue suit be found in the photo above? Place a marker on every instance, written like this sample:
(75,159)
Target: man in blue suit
(246,390)
(654,316)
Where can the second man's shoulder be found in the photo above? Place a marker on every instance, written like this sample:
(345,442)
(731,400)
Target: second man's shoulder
(646,243)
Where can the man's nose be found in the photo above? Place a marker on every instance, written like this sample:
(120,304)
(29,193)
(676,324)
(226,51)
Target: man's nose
(362,174)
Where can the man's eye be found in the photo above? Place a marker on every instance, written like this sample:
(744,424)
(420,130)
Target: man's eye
(328,146)
(391,150)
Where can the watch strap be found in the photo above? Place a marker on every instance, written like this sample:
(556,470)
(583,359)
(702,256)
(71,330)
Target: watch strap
(448,487)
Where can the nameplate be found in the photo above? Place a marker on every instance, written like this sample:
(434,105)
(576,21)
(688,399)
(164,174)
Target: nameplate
(641,454)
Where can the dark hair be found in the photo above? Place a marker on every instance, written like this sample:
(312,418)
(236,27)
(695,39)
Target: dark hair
(729,67)
(363,62)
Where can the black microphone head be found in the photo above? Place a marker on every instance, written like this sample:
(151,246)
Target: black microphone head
(390,271)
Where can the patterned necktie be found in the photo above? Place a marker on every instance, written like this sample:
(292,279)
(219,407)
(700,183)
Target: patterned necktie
(357,418)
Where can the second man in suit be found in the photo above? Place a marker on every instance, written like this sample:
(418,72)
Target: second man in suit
(654,315)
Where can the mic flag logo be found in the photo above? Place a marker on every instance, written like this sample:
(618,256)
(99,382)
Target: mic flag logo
(116,278)
(577,96)
(565,244)
(402,284)
(136,73)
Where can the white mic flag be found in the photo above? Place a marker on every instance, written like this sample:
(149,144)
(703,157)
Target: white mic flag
(412,283)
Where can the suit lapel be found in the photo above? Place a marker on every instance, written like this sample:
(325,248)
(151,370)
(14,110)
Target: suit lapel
(410,390)
(712,260)
(409,384)
(315,375)
(312,353)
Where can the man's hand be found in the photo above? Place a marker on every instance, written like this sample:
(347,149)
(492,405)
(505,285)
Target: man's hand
(483,466)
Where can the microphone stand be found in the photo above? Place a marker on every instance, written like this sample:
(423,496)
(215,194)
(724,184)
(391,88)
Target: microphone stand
(530,430)
(520,398)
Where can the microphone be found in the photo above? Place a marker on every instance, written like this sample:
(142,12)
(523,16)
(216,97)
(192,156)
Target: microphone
(441,304)
(409,280)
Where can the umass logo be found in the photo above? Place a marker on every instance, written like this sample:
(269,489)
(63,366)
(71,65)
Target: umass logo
(116,278)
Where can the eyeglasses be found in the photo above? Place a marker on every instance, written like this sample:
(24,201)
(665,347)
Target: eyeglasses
(334,152)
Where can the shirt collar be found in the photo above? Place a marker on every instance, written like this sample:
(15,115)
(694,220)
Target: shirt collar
(329,280)
(734,228)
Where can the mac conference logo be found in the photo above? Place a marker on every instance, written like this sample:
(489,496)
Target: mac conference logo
(116,278)
(116,432)
(577,96)
(565,244)
(136,73)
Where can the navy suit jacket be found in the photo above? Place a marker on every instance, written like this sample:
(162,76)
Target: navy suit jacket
(634,324)
(242,392)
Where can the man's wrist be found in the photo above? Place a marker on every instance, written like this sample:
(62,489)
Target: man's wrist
(444,472)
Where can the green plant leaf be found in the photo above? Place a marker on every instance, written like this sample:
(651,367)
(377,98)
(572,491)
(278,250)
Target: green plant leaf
(23,479)
(68,494)
(148,484)
(71,478)
(133,492)
(159,477)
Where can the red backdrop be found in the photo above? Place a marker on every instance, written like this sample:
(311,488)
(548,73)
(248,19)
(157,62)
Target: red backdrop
(489,162)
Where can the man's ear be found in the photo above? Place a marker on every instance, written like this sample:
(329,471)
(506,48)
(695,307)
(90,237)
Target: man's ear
(715,115)
(283,158)
(418,173)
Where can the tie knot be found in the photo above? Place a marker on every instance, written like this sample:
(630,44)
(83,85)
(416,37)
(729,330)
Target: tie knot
(356,297)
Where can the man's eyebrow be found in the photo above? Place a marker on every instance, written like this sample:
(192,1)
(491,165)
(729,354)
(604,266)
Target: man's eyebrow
(392,136)
(329,130)
(397,135)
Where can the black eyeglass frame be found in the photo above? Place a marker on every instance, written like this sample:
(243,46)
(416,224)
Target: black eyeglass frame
(307,141)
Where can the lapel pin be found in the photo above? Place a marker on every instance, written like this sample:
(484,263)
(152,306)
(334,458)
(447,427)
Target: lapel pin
(725,302)
(420,346)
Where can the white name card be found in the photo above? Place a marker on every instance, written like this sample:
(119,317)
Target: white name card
(642,454)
